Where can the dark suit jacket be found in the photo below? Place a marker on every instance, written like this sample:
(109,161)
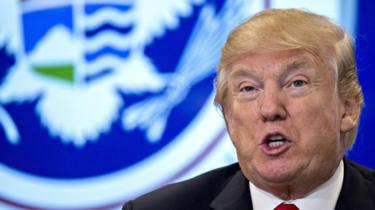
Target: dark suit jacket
(227,189)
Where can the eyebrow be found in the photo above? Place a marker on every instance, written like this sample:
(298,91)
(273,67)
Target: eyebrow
(296,65)
(241,72)
(290,67)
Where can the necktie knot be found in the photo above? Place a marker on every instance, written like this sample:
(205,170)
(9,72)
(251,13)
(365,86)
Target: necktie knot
(284,206)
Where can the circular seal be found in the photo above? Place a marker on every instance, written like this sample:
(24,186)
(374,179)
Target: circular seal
(99,96)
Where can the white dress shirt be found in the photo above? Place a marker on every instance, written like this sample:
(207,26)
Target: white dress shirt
(323,197)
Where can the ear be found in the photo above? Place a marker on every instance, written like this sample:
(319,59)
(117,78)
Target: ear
(349,115)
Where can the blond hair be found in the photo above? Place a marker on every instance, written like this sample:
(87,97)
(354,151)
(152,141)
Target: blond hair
(294,29)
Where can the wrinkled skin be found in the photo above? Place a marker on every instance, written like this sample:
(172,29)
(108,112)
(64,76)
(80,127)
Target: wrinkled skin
(286,93)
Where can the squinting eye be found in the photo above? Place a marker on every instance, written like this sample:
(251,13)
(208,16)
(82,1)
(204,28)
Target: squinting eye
(247,89)
(299,83)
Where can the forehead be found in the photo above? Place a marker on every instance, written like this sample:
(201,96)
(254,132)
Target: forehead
(278,60)
(276,63)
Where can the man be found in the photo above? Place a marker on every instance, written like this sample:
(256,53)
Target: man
(288,89)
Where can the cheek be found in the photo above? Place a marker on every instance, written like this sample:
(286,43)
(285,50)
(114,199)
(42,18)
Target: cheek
(241,130)
(318,126)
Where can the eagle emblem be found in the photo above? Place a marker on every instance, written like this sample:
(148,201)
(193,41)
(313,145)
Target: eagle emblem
(79,75)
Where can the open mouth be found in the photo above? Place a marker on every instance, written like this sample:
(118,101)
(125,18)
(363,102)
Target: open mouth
(274,140)
(275,144)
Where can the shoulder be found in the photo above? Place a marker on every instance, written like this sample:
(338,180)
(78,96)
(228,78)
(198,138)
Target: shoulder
(362,174)
(195,193)
(358,190)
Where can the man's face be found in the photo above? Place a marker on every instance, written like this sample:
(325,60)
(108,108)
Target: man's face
(284,116)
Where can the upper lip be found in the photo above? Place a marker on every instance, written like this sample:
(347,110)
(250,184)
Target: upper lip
(268,135)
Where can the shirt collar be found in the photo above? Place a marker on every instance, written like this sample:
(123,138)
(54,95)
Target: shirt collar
(323,197)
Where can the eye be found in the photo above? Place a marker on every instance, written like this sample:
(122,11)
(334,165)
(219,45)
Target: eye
(298,83)
(298,86)
(247,89)
(247,92)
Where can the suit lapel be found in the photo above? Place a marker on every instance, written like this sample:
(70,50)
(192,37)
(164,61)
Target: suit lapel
(343,203)
(235,195)
(355,193)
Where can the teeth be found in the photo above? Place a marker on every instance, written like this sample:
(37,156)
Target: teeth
(276,138)
(275,144)
(276,141)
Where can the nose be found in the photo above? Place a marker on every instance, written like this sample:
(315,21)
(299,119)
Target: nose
(272,107)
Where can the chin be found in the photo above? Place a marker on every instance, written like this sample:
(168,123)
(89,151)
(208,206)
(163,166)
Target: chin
(279,178)
(277,172)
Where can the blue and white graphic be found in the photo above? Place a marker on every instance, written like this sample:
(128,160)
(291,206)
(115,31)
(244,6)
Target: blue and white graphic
(104,100)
